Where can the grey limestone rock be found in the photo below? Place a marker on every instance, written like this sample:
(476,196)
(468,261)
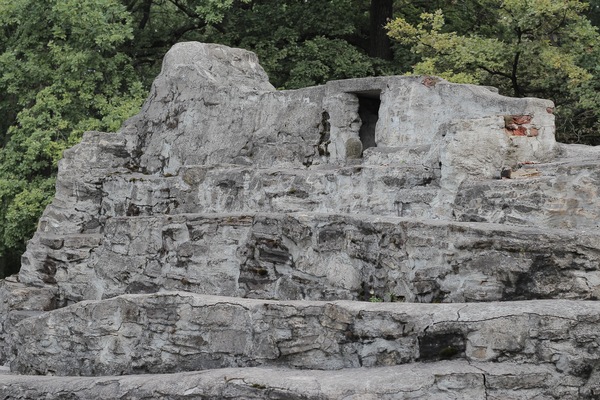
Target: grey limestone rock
(176,331)
(329,256)
(353,240)
(445,380)
(215,137)
(18,302)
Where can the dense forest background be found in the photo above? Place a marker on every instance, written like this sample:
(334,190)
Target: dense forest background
(68,66)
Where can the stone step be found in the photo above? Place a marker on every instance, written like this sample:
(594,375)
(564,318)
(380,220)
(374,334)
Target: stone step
(19,302)
(178,331)
(320,257)
(447,380)
(390,189)
(562,194)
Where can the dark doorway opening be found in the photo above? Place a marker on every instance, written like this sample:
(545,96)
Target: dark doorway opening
(368,110)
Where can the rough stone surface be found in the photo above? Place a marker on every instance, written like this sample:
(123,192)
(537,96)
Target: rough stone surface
(18,302)
(563,195)
(172,332)
(445,380)
(225,141)
(327,256)
(303,210)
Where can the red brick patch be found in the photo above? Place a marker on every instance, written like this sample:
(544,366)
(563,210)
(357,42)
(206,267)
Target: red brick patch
(521,119)
(519,125)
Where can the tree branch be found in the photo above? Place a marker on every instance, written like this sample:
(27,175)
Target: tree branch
(513,78)
(146,7)
(515,67)
(190,13)
(174,36)
(194,15)
(492,72)
(560,24)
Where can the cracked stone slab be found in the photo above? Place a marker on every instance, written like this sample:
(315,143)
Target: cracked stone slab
(440,380)
(178,331)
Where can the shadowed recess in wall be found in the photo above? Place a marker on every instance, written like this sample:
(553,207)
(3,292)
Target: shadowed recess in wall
(368,110)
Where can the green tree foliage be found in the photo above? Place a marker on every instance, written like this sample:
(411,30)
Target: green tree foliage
(61,73)
(305,42)
(593,12)
(541,48)
(159,24)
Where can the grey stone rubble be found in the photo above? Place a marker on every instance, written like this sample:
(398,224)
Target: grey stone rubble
(347,241)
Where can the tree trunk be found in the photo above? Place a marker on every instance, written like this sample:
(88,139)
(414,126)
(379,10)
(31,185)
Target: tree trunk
(10,264)
(381,12)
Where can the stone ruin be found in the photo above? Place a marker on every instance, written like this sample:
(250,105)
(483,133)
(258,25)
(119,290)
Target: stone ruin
(346,241)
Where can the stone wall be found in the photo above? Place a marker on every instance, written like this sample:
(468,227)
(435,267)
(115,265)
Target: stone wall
(366,222)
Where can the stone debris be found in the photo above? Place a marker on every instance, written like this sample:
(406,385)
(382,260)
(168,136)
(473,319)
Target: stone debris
(346,241)
(508,173)
(524,173)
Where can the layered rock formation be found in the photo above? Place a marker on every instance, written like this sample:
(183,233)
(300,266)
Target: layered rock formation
(347,241)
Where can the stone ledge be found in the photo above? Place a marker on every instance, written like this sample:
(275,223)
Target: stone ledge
(367,189)
(328,257)
(439,380)
(177,331)
(562,196)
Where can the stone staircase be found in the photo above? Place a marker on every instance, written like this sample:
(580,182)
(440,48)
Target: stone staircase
(237,242)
